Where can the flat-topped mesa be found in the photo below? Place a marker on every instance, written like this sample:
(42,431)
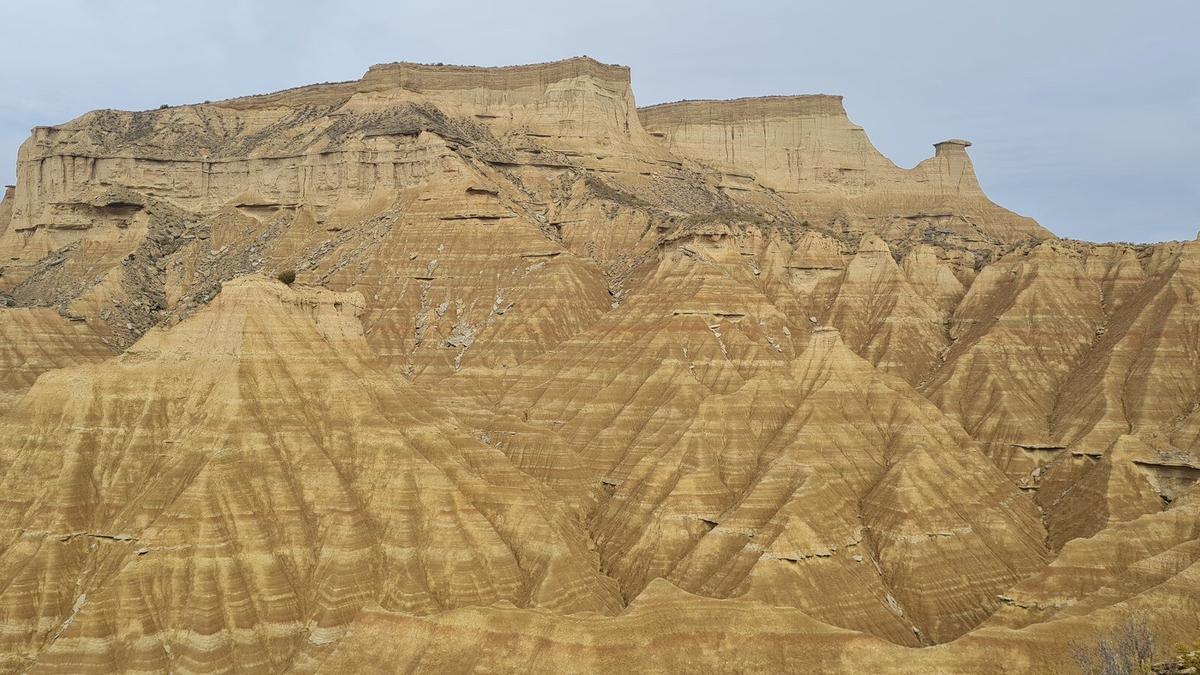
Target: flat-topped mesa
(428,78)
(437,77)
(570,103)
(559,101)
(792,143)
(706,111)
(807,149)
(335,143)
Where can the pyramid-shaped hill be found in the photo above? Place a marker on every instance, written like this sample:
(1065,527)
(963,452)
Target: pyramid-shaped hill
(562,384)
(826,473)
(231,490)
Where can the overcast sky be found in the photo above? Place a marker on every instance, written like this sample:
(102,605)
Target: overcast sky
(1083,115)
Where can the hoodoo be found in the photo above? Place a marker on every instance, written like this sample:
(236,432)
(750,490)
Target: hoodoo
(806,149)
(557,383)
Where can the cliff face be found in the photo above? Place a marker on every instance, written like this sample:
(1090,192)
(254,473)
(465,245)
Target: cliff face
(807,149)
(562,383)
(328,146)
(6,204)
(574,102)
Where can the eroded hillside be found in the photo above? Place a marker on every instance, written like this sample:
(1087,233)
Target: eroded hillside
(564,384)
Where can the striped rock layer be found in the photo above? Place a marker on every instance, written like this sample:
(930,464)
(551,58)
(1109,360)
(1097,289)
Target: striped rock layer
(567,385)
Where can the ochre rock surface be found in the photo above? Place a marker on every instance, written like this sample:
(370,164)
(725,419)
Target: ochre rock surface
(565,385)
(806,149)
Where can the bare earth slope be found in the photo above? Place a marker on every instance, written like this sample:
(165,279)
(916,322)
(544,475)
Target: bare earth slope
(568,385)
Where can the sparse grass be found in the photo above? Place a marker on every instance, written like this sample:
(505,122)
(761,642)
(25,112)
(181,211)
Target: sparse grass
(725,217)
(607,192)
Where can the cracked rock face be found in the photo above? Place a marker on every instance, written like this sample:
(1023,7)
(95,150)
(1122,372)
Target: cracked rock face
(565,385)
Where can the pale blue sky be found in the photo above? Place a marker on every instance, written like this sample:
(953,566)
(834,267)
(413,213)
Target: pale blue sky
(1084,115)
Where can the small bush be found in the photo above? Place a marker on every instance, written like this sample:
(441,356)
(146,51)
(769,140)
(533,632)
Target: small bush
(1189,656)
(287,276)
(1129,649)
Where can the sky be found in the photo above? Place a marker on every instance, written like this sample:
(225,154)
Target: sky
(1084,115)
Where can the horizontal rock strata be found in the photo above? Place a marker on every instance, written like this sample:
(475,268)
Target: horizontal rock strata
(488,369)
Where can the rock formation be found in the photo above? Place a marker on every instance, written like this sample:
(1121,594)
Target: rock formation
(562,384)
(806,149)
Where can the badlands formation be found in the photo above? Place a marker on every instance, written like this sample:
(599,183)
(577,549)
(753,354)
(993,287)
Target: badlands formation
(565,385)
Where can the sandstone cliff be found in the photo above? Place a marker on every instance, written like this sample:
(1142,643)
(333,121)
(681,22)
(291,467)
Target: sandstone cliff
(808,150)
(563,384)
